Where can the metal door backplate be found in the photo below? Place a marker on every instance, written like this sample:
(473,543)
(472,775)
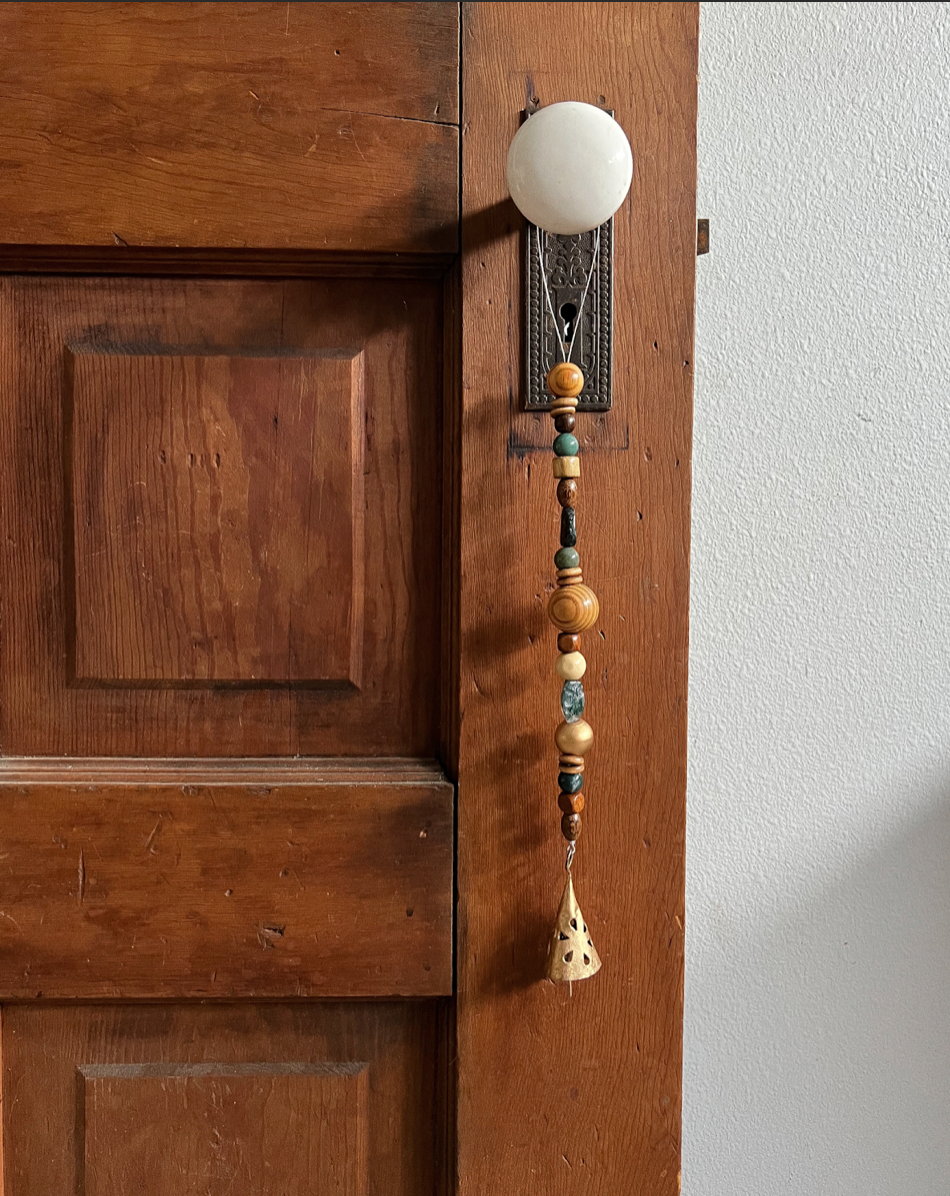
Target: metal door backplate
(567,262)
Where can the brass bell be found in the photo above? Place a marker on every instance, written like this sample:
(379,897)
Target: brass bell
(572,955)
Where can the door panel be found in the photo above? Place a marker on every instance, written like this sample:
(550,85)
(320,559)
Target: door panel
(320,126)
(257,878)
(220,1099)
(221,517)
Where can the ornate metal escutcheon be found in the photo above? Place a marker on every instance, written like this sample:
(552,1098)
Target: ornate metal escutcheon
(567,262)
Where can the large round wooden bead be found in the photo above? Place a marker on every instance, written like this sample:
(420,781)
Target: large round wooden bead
(565,380)
(566,467)
(575,739)
(567,492)
(571,826)
(571,666)
(568,643)
(570,803)
(573,608)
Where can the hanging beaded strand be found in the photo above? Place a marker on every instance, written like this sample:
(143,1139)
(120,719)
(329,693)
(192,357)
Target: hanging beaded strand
(573,608)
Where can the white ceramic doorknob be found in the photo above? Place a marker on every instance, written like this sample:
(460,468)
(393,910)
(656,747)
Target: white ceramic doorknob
(569,168)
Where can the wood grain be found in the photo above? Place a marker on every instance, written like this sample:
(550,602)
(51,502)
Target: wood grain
(217,517)
(321,126)
(187,881)
(595,1074)
(82,489)
(292,1128)
(221,1099)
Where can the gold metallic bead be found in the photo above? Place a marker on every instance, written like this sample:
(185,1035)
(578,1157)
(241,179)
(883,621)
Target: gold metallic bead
(575,738)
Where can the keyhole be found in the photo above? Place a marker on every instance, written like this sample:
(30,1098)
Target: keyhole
(568,315)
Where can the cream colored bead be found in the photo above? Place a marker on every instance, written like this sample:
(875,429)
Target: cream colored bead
(567,467)
(570,666)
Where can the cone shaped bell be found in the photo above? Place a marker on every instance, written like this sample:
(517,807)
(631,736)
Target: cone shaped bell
(572,955)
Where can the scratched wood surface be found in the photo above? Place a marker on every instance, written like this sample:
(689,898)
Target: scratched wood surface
(595,1074)
(222,516)
(217,516)
(220,1099)
(323,126)
(179,880)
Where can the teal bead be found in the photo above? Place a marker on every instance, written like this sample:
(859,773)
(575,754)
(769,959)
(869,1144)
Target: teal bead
(566,445)
(572,701)
(566,558)
(570,782)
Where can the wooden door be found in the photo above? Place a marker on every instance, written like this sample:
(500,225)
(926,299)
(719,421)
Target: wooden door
(276,866)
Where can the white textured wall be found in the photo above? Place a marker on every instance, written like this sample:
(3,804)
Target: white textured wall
(818,944)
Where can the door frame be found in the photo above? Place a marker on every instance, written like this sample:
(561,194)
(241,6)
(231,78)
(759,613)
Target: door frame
(567,1092)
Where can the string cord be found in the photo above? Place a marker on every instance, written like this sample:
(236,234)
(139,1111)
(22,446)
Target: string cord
(567,353)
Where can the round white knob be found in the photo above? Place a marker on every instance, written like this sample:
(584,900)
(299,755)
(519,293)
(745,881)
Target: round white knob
(569,168)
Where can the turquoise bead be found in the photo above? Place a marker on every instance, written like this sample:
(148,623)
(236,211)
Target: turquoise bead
(572,701)
(566,445)
(566,558)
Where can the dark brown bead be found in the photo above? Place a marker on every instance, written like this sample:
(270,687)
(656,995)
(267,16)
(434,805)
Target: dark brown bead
(570,803)
(565,423)
(571,826)
(568,643)
(567,492)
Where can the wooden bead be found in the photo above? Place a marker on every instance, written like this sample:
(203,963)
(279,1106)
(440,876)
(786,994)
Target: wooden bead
(565,423)
(565,379)
(567,492)
(566,762)
(568,769)
(570,803)
(571,666)
(571,827)
(575,738)
(569,577)
(573,608)
(563,407)
(567,467)
(567,642)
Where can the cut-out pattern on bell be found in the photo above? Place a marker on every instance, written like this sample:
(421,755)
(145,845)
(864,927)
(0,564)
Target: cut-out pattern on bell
(572,955)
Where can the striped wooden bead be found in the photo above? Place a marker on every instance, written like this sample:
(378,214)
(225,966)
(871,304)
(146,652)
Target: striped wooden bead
(571,827)
(567,492)
(565,380)
(573,608)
